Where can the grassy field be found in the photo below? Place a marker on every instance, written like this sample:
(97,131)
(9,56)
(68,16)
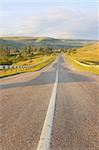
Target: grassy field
(35,60)
(88,57)
(40,63)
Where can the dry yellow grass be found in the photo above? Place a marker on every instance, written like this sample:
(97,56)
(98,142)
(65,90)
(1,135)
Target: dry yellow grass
(88,55)
(33,61)
(39,65)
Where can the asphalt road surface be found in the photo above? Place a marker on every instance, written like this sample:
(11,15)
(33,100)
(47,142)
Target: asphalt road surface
(24,101)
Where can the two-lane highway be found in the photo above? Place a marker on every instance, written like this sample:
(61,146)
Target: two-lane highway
(25,108)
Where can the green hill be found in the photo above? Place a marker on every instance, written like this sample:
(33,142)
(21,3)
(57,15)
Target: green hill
(42,41)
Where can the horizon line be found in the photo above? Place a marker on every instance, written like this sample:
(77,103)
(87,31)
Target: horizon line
(48,37)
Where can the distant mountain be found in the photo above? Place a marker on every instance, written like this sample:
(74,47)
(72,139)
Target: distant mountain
(42,41)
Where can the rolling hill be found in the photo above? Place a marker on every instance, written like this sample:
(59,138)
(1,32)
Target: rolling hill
(42,41)
(85,58)
(88,53)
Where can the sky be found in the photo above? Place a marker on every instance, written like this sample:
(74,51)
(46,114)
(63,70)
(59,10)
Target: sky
(69,19)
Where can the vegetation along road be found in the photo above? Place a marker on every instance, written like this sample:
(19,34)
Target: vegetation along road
(54,108)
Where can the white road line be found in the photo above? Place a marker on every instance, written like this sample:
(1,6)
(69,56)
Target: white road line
(45,138)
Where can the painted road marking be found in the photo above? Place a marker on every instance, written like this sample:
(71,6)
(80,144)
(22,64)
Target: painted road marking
(45,138)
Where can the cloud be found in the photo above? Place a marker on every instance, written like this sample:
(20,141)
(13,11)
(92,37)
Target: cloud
(61,23)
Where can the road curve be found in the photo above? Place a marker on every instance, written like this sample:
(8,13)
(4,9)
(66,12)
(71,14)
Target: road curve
(24,100)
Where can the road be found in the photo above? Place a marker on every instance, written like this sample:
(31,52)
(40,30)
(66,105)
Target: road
(24,102)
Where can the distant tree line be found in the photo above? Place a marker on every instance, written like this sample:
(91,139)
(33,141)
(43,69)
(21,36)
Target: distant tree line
(10,55)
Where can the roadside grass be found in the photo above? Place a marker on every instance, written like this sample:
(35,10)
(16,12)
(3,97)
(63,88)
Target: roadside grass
(32,61)
(39,65)
(88,56)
